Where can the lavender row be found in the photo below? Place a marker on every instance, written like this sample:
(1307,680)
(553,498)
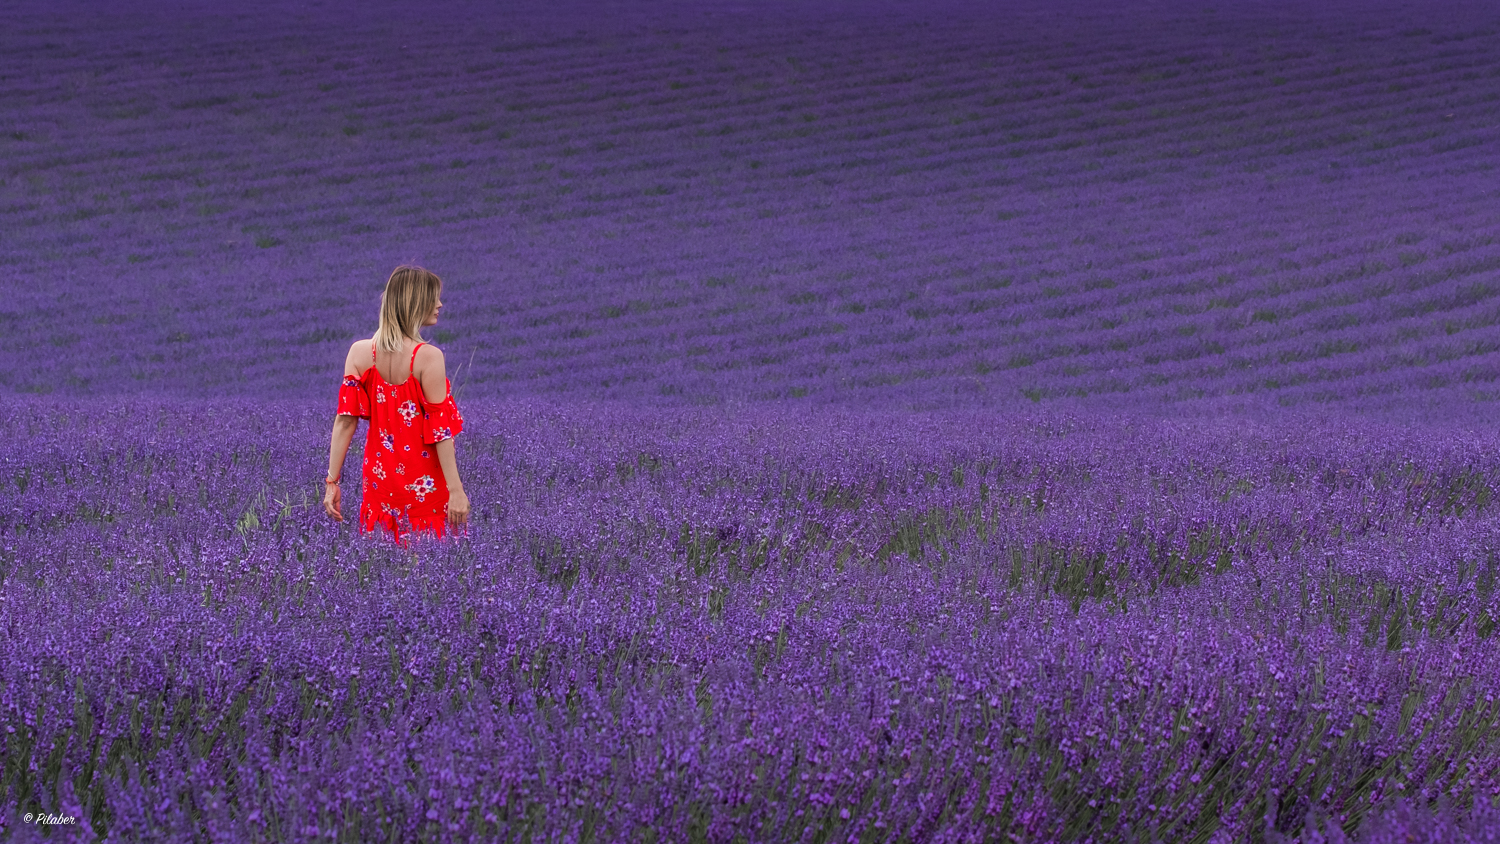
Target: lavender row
(957,624)
(761,723)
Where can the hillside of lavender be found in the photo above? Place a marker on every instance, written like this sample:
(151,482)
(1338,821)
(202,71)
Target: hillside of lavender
(886,421)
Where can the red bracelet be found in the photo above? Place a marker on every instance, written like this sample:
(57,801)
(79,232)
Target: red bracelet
(334,482)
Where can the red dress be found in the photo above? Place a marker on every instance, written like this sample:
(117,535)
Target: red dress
(404,489)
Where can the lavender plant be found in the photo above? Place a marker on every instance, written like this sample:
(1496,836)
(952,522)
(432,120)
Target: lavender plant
(762,625)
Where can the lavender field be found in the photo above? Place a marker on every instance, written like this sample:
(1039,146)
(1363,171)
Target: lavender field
(886,421)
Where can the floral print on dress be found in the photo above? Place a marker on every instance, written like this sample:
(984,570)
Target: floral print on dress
(353,400)
(441,420)
(408,411)
(422,486)
(404,489)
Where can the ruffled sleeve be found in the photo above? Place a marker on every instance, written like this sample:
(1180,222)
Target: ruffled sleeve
(353,400)
(441,420)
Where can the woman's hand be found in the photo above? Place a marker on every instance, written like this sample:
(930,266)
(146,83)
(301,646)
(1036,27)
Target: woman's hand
(343,432)
(458,508)
(333,502)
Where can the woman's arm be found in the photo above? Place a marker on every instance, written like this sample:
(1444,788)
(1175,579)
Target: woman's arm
(344,426)
(458,500)
(343,433)
(449,461)
(434,381)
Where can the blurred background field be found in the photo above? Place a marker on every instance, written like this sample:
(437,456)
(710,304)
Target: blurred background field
(913,205)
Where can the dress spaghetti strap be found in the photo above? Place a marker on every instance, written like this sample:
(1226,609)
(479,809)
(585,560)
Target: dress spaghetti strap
(412,371)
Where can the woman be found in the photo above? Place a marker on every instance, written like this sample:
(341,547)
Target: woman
(400,384)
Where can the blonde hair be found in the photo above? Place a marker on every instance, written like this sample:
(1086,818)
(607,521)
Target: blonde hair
(411,294)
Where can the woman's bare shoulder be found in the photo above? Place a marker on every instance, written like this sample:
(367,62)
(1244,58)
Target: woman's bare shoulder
(358,358)
(429,360)
(431,372)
